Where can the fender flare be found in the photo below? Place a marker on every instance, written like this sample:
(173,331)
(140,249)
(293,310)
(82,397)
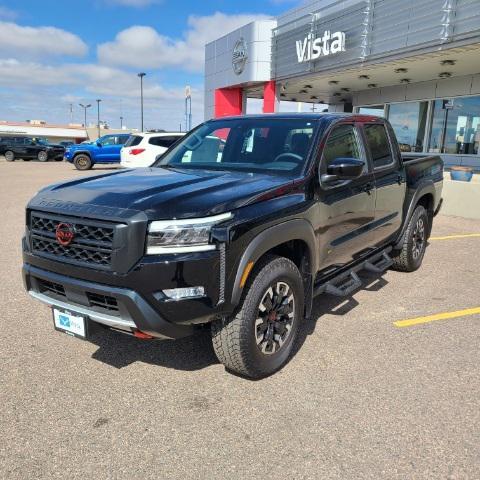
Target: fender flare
(82,152)
(426,187)
(272,237)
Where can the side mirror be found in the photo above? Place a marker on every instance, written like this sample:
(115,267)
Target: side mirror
(99,144)
(343,169)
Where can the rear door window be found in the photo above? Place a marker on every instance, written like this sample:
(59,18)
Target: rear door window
(379,146)
(133,140)
(122,139)
(163,141)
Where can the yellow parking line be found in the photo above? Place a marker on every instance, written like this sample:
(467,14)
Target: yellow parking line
(450,237)
(438,316)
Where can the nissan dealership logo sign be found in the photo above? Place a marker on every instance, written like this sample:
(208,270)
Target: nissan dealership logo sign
(240,56)
(312,48)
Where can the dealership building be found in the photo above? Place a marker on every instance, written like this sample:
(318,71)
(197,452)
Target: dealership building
(415,62)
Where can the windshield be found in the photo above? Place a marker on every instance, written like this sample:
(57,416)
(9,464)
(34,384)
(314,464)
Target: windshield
(267,145)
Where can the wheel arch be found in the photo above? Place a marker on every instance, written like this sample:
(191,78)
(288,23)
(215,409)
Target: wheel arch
(82,152)
(294,239)
(424,196)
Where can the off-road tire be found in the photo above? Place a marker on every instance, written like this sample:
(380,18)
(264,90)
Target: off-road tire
(42,156)
(82,162)
(404,260)
(234,338)
(9,156)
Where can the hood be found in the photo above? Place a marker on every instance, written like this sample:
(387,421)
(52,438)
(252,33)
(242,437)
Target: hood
(79,145)
(167,193)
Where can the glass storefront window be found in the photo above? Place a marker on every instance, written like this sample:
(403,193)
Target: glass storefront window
(409,121)
(456,126)
(377,110)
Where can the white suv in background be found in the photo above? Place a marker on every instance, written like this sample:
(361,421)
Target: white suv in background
(142,149)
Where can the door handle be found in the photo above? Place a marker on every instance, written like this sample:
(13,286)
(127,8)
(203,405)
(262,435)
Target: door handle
(368,188)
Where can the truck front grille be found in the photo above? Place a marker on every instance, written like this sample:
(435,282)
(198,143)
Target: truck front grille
(92,242)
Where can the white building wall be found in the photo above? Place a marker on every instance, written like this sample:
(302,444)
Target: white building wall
(219,71)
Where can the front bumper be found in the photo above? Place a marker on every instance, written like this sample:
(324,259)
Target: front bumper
(132,312)
(137,296)
(55,155)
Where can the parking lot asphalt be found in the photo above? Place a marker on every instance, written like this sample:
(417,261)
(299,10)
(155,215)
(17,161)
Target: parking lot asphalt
(361,399)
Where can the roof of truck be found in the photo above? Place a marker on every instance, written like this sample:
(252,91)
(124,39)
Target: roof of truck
(304,115)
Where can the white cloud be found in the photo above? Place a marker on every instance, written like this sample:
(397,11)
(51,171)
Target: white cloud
(98,79)
(34,42)
(30,89)
(143,47)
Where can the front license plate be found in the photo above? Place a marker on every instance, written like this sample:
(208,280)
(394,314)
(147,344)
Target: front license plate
(69,323)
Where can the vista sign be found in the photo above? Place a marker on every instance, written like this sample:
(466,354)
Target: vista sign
(313,48)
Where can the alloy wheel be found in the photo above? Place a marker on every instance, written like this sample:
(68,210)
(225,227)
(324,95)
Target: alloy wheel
(418,239)
(276,314)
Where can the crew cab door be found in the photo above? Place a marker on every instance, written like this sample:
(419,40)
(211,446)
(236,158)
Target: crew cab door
(109,151)
(26,148)
(346,208)
(390,181)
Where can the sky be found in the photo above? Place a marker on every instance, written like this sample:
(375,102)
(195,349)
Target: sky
(54,53)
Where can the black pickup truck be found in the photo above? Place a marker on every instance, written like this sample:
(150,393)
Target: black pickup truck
(236,227)
(27,148)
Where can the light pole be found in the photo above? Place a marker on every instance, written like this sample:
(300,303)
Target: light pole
(121,123)
(188,108)
(98,116)
(141,75)
(85,112)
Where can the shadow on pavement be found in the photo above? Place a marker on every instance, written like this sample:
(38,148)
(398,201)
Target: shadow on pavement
(196,352)
(120,350)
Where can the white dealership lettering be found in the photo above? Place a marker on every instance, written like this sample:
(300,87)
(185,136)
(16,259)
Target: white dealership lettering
(313,48)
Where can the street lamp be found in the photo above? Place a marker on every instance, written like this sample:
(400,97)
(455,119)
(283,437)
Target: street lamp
(98,116)
(188,108)
(121,123)
(85,112)
(141,75)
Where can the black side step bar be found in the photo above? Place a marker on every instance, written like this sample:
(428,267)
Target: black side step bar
(380,265)
(347,282)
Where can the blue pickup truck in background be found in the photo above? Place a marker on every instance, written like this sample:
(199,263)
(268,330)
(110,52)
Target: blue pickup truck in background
(104,150)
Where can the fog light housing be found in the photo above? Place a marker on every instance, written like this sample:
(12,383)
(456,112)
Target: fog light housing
(184,293)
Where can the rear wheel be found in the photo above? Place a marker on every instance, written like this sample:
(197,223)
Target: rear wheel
(258,340)
(42,156)
(414,243)
(9,156)
(82,162)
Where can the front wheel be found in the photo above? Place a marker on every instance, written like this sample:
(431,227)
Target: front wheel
(410,257)
(9,156)
(42,156)
(258,340)
(82,162)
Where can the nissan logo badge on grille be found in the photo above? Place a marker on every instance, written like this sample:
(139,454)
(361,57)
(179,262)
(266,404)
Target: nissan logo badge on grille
(64,234)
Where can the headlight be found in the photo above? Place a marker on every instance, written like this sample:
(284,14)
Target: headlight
(182,236)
